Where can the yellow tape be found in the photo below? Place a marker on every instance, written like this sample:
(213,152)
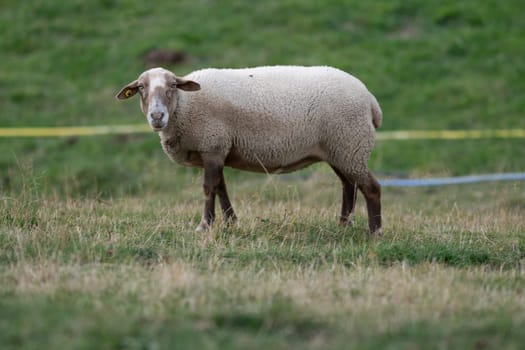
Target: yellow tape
(142,128)
(74,131)
(449,134)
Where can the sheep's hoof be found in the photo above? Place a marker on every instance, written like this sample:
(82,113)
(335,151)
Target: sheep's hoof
(377,233)
(346,222)
(230,220)
(203,227)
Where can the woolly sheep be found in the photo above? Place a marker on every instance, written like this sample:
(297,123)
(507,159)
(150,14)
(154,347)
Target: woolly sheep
(265,119)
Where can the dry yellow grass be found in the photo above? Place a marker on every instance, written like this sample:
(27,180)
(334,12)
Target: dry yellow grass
(448,255)
(383,297)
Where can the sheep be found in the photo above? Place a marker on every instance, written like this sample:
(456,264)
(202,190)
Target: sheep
(272,119)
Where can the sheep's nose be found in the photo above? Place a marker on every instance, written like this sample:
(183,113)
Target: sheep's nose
(156,115)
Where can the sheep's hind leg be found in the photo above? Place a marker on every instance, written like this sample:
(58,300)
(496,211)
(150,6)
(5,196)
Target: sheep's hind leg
(348,199)
(371,189)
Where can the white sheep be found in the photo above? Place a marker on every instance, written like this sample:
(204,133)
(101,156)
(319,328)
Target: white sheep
(265,119)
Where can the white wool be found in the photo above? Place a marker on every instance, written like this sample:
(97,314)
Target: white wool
(267,119)
(276,116)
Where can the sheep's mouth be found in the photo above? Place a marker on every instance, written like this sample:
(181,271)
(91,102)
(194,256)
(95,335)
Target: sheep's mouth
(157,125)
(158,128)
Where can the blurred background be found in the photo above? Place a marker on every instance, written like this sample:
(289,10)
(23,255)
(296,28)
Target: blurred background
(431,64)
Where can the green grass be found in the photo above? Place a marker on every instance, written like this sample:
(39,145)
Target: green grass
(130,272)
(432,65)
(97,241)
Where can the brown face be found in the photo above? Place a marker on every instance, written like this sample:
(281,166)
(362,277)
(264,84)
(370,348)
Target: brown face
(158,91)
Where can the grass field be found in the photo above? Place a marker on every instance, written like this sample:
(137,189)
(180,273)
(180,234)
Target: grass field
(97,241)
(130,272)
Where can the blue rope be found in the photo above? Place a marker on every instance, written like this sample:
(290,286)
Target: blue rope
(452,180)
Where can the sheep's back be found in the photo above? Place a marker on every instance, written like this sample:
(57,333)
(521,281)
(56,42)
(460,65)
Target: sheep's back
(283,94)
(279,114)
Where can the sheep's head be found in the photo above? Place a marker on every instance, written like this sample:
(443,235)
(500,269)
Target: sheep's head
(158,94)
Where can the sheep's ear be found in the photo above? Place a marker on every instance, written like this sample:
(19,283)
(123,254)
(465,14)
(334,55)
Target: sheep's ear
(187,85)
(128,90)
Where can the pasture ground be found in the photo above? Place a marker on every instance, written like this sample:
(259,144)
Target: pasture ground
(131,273)
(97,241)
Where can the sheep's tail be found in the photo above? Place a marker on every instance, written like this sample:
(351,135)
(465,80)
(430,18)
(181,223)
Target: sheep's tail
(377,114)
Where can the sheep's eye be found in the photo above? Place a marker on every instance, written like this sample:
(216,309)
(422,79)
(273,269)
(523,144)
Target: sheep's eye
(173,85)
(141,87)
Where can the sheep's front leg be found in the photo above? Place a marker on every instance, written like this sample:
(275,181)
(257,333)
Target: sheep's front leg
(213,185)
(227,209)
(212,179)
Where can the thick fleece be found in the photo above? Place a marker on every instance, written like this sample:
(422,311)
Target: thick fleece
(265,119)
(275,119)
